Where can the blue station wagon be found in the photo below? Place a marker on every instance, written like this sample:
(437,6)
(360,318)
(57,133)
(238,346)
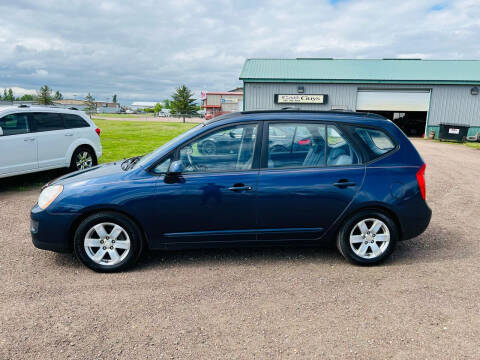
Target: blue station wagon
(278,177)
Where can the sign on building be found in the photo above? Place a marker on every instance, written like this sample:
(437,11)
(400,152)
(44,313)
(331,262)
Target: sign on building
(301,99)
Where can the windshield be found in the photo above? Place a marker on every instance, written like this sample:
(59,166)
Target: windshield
(158,152)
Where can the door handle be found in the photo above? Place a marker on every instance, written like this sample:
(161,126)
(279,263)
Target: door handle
(343,183)
(68,134)
(240,187)
(29,139)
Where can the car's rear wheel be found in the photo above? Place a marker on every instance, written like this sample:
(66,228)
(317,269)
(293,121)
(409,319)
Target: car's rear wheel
(367,238)
(83,158)
(108,242)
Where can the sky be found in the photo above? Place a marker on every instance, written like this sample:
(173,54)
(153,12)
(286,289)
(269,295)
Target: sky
(142,50)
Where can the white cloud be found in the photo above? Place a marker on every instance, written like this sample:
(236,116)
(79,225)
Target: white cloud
(142,50)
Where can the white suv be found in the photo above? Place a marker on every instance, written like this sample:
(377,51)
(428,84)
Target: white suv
(39,138)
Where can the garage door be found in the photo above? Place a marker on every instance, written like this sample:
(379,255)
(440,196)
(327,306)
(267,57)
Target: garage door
(393,100)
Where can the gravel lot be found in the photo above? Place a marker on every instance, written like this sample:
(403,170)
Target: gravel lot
(424,302)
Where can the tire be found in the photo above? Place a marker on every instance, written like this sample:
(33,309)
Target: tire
(367,246)
(119,236)
(83,158)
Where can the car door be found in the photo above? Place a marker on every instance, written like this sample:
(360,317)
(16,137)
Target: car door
(213,200)
(52,138)
(18,146)
(303,189)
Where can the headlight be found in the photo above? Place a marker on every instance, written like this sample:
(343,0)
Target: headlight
(49,194)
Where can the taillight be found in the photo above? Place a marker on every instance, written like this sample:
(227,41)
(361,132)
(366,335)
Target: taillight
(98,131)
(421,181)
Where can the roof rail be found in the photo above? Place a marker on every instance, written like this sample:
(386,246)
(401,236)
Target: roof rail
(23,106)
(72,108)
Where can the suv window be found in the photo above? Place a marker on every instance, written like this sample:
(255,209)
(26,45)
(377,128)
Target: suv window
(74,121)
(376,141)
(339,150)
(227,149)
(296,145)
(14,124)
(47,121)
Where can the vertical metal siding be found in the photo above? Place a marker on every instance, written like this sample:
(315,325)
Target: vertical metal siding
(449,103)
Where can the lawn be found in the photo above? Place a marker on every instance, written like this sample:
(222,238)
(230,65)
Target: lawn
(134,116)
(123,139)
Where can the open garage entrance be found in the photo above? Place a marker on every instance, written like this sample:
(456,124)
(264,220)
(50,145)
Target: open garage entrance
(408,109)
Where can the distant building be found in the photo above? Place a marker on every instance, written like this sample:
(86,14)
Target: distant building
(141,105)
(103,107)
(218,103)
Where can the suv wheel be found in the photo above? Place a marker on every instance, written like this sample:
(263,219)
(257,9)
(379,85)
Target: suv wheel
(367,238)
(108,242)
(83,158)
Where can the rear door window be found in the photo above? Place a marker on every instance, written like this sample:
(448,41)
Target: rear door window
(14,124)
(296,145)
(44,121)
(73,121)
(339,150)
(375,141)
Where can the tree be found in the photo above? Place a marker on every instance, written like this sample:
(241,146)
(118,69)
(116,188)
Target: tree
(44,96)
(26,97)
(91,106)
(114,99)
(166,104)
(10,95)
(58,95)
(5,95)
(183,102)
(157,108)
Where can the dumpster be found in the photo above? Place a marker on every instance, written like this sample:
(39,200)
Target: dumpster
(453,132)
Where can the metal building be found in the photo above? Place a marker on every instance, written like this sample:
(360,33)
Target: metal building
(418,95)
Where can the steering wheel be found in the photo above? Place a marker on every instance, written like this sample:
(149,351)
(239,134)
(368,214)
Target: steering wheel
(191,164)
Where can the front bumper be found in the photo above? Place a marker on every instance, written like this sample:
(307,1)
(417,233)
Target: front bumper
(51,231)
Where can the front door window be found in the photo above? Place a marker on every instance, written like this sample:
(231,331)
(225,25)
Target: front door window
(228,149)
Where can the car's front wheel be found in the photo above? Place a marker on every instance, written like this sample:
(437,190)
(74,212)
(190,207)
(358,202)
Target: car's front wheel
(367,238)
(108,242)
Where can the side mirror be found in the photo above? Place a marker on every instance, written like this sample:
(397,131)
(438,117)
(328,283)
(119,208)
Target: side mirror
(1,131)
(175,168)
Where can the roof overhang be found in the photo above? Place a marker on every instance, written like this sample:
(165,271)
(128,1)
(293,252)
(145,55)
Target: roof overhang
(359,81)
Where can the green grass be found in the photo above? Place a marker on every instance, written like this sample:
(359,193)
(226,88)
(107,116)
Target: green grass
(132,116)
(474,145)
(123,139)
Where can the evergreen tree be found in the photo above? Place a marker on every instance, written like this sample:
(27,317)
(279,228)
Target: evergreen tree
(58,95)
(44,96)
(10,96)
(183,102)
(91,106)
(114,99)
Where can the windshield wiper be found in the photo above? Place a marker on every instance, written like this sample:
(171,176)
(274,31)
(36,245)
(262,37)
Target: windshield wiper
(130,162)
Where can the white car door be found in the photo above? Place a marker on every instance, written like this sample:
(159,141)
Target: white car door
(18,146)
(52,138)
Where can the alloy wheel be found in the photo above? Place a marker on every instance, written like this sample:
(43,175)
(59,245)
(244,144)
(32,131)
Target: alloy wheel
(83,160)
(107,244)
(369,238)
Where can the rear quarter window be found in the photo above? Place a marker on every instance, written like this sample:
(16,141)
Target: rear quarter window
(73,121)
(376,142)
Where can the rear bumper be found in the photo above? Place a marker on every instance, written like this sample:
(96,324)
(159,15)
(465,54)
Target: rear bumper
(415,222)
(51,231)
